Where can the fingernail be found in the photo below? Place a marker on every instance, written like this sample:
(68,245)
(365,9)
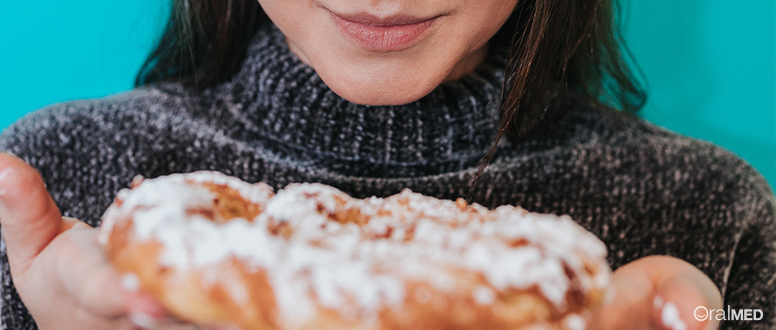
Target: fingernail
(143,320)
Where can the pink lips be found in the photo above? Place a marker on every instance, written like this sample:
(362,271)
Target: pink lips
(383,34)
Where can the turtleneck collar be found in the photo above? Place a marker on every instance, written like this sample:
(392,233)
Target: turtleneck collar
(283,100)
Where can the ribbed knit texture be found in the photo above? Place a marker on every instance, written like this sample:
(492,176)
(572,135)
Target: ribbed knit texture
(641,189)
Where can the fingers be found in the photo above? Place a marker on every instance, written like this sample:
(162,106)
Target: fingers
(658,292)
(29,218)
(70,285)
(86,275)
(95,287)
(625,308)
(144,311)
(681,301)
(59,261)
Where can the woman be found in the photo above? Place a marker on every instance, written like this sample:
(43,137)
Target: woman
(376,96)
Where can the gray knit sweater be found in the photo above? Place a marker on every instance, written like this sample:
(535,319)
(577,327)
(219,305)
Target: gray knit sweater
(641,189)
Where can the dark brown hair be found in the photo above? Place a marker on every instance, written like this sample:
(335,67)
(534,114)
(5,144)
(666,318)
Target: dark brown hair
(559,49)
(204,42)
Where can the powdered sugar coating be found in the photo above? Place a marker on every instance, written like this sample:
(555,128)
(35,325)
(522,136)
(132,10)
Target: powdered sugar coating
(669,315)
(357,255)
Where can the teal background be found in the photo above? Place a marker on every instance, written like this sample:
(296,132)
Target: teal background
(710,65)
(53,51)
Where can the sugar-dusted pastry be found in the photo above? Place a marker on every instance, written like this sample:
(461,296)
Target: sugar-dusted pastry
(215,249)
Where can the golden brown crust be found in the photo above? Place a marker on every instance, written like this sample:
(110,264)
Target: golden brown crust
(435,289)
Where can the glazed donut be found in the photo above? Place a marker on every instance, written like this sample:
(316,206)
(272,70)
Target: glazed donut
(215,249)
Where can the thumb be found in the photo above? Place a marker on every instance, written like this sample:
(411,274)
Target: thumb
(29,218)
(683,300)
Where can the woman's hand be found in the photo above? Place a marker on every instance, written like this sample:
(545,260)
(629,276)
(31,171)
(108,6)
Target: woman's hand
(658,292)
(58,266)
(62,276)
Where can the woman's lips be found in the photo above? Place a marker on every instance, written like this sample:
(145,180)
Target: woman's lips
(386,34)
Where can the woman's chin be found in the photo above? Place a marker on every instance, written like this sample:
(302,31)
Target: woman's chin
(382,93)
(380,97)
